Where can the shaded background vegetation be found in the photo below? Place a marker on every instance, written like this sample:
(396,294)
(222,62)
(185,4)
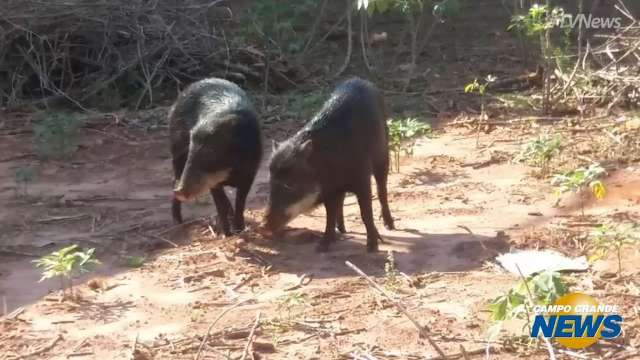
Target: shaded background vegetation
(108,55)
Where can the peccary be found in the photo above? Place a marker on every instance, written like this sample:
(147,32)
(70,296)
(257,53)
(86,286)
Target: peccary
(336,152)
(215,142)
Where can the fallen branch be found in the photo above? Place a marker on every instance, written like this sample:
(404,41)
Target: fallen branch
(223,313)
(162,232)
(62,218)
(41,350)
(460,354)
(78,354)
(152,236)
(423,330)
(519,82)
(17,253)
(247,347)
(74,351)
(17,157)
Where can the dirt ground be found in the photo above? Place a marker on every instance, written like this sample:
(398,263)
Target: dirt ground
(454,211)
(457,205)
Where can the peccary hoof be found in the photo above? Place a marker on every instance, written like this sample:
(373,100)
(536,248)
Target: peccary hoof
(219,231)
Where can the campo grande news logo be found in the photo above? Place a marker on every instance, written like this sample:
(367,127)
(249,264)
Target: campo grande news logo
(577,321)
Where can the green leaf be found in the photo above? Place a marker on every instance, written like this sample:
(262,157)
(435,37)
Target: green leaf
(598,189)
(470,87)
(498,308)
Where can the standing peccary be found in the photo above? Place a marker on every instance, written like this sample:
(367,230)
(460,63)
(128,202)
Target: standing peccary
(336,152)
(215,142)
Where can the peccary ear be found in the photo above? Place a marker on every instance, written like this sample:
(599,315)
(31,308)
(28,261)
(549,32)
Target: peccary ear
(306,148)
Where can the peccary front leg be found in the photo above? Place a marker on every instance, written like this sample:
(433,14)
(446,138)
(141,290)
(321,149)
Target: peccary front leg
(241,199)
(224,209)
(176,205)
(330,206)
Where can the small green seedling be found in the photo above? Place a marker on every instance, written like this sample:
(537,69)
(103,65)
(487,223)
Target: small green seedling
(539,152)
(290,302)
(480,89)
(56,134)
(392,275)
(578,180)
(24,176)
(610,237)
(475,87)
(289,306)
(65,263)
(545,287)
(134,261)
(403,135)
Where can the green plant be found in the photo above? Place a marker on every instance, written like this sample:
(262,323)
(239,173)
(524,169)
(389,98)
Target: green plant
(403,135)
(392,276)
(480,89)
(64,263)
(25,175)
(56,134)
(610,237)
(538,24)
(545,288)
(578,180)
(476,87)
(134,261)
(540,151)
(289,302)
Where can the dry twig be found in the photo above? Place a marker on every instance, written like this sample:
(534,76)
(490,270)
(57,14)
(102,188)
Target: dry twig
(251,338)
(41,350)
(223,313)
(423,330)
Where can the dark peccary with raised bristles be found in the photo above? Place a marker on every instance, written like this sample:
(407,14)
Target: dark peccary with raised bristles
(336,152)
(215,142)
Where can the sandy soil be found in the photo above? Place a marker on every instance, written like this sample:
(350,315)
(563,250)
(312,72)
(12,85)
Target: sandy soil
(455,211)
